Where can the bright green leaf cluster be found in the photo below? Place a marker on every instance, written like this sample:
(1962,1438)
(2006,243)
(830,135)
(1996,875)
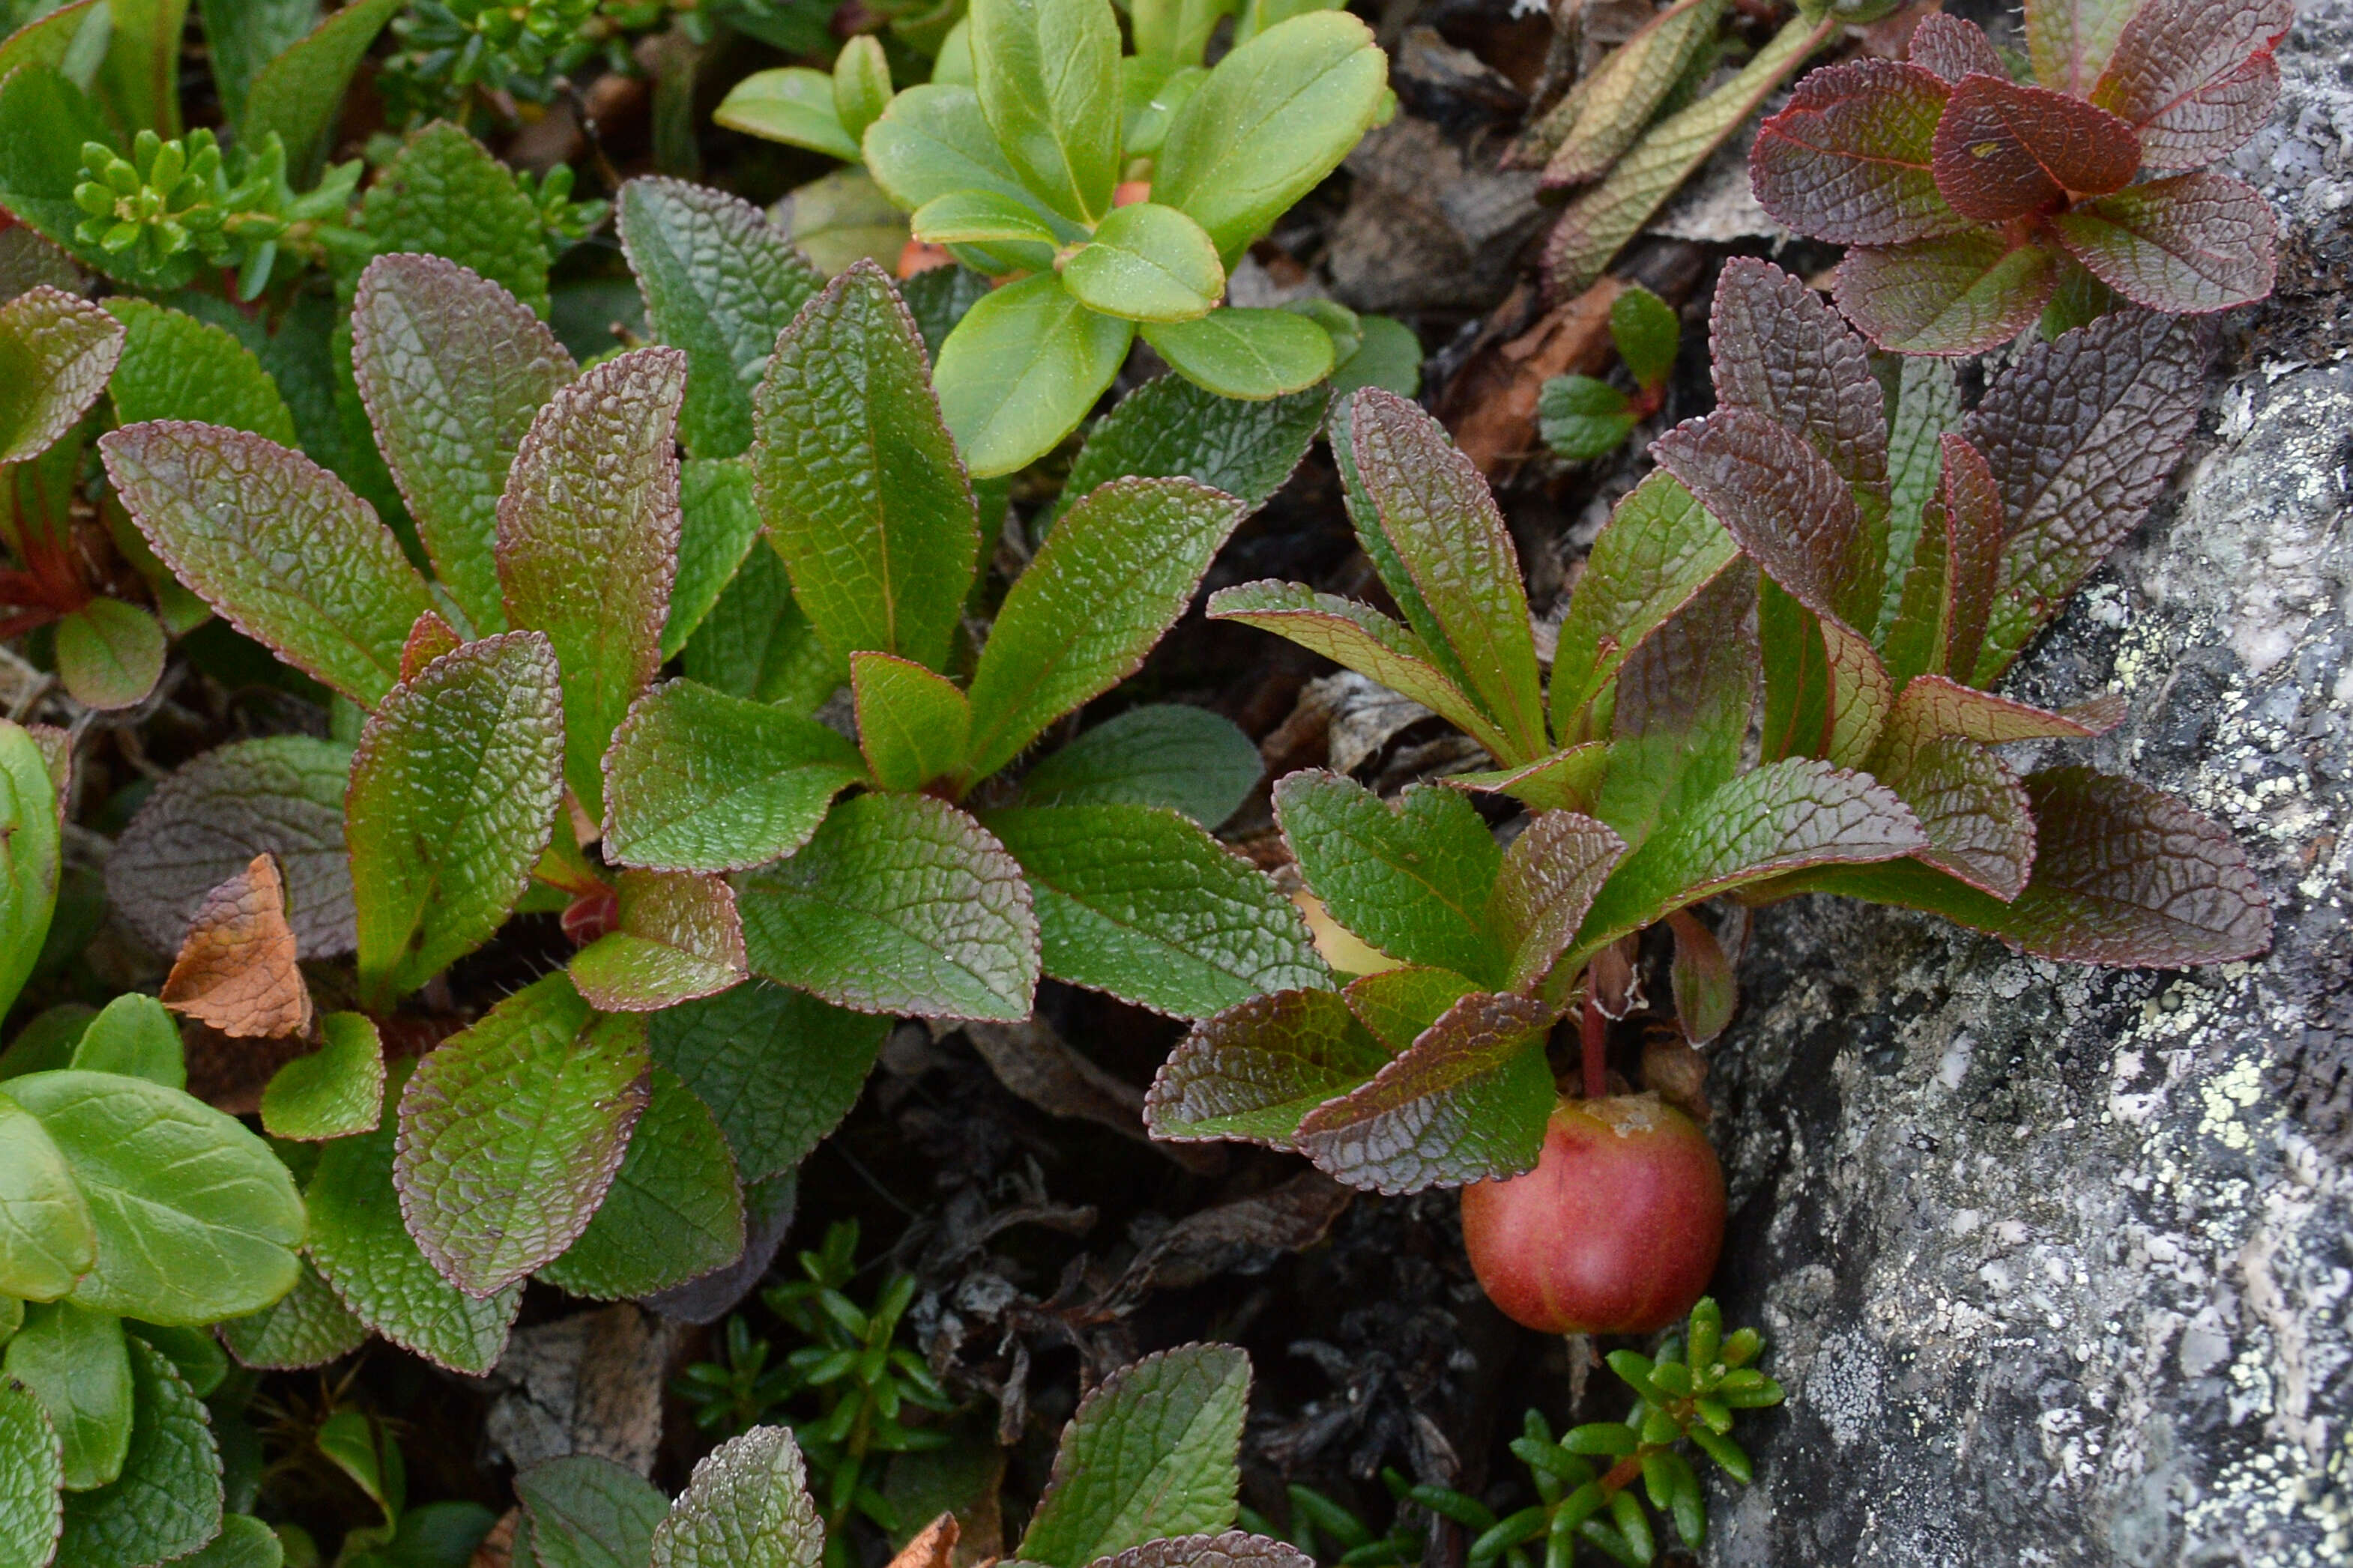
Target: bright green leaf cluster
(1581,418)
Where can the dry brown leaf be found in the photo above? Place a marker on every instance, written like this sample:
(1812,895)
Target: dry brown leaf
(497,1550)
(934,1546)
(1036,1063)
(235,970)
(1490,404)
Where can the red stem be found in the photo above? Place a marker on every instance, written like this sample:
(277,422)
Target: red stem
(1593,1034)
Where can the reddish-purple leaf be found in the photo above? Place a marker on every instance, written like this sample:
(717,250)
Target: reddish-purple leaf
(2189,244)
(1972,807)
(1565,781)
(679,938)
(1254,1071)
(1780,350)
(2069,41)
(1550,875)
(2195,76)
(1850,159)
(1954,49)
(1234,1548)
(2005,150)
(1961,294)
(2080,434)
(429,640)
(1970,503)
(1682,712)
(1782,502)
(1396,1004)
(1934,705)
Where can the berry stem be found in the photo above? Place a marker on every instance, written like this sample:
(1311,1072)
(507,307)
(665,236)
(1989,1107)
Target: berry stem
(1593,1035)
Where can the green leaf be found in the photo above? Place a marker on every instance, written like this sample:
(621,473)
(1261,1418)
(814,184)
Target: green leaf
(195,1219)
(1251,354)
(860,487)
(679,938)
(747,1506)
(1047,73)
(511,1130)
(969,218)
(1176,32)
(176,367)
(588,531)
(71,38)
(336,1091)
(1961,294)
(702,782)
(47,120)
(1137,901)
(277,544)
(31,1473)
(446,196)
(300,94)
(1412,880)
(55,354)
(1152,263)
(587,1511)
(1626,90)
(1270,123)
(134,1035)
(1972,806)
(673,1213)
(1022,369)
(899,904)
(1255,1070)
(1582,418)
(1150,1453)
(1170,429)
(1187,758)
(360,1447)
(792,104)
(138,82)
(1389,355)
(1117,571)
(719,282)
(309,1326)
(756,642)
(453,798)
(167,1501)
(933,139)
(778,1069)
(2068,42)
(243,36)
(1466,1102)
(48,1239)
(194,1352)
(453,369)
(1682,708)
(913,725)
(244,1542)
(1547,883)
(364,1251)
(1397,1005)
(75,1364)
(1658,550)
(109,654)
(862,84)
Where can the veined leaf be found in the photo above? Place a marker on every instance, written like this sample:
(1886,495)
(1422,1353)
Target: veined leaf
(778,1069)
(2068,42)
(1256,1070)
(453,797)
(235,973)
(73,1360)
(48,1239)
(586,1512)
(1170,429)
(1548,880)
(1972,806)
(679,938)
(309,1326)
(718,522)
(913,725)
(2196,80)
(444,194)
(1397,1005)
(1850,159)
(1047,73)
(674,1210)
(1781,352)
(1924,405)
(109,654)
(1568,779)
(1187,758)
(1412,880)
(1960,294)
(757,642)
(32,1502)
(335,1092)
(512,1130)
(1623,92)
(1148,263)
(747,1506)
(167,1501)
(1658,549)
(1953,47)
(1022,369)
(2007,150)
(176,367)
(300,93)
(55,354)
(2194,243)
(1682,713)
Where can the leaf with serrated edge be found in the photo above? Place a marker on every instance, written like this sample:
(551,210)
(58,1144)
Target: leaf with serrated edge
(674,1211)
(1682,710)
(1625,90)
(444,193)
(1397,1005)
(1137,901)
(718,525)
(32,1505)
(1924,405)
(679,938)
(777,1068)
(1961,294)
(913,725)
(587,544)
(1972,806)
(720,281)
(47,1238)
(1934,705)
(1255,1069)
(1848,161)
(309,1326)
(176,367)
(1114,575)
(1953,47)
(2198,79)
(1466,1102)
(1170,428)
(2068,42)
(747,1506)
(1162,753)
(863,493)
(587,1511)
(697,781)
(56,353)
(1568,779)
(1780,351)
(1233,1549)
(2194,243)
(74,1361)
(167,1501)
(235,969)
(1150,1453)
(277,544)
(452,370)
(2008,150)
(453,798)
(1548,880)
(899,904)
(757,643)
(1412,880)
(512,1130)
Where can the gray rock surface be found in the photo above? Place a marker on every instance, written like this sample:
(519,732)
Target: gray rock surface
(2055,1261)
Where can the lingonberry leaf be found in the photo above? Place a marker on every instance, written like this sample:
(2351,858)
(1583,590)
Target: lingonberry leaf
(720,283)
(1851,157)
(1412,880)
(335,1092)
(1466,1102)
(1960,294)
(679,938)
(364,1251)
(1953,47)
(1972,806)
(298,93)
(2078,470)
(1150,1453)
(109,654)
(899,904)
(135,1035)
(74,1361)
(1626,90)
(512,1130)
(2192,243)
(452,369)
(1245,354)
(979,216)
(863,493)
(48,1239)
(235,970)
(56,353)
(176,367)
(1162,753)
(277,544)
(793,104)
(777,1068)
(1255,1070)
(934,140)
(1779,817)
(697,781)
(453,798)
(281,796)
(309,1326)
(1148,263)
(718,522)
(586,1512)
(1778,349)
(1135,901)
(444,194)
(587,542)
(1550,878)
(1047,72)
(1682,714)
(1119,568)
(2197,79)
(1022,368)
(747,1506)
(166,1503)
(195,1220)
(1171,428)
(2005,150)
(2068,42)
(674,1210)
(32,1479)
(913,725)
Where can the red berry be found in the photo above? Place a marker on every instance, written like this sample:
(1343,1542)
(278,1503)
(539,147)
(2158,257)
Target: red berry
(1614,1232)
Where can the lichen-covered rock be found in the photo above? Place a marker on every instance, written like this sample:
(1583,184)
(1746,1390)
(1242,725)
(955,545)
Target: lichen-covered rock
(2055,1261)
